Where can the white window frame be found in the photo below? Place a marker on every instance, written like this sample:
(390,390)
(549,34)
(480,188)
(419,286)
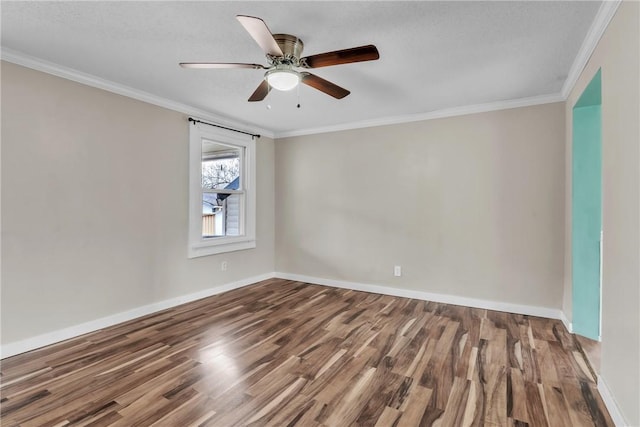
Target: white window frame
(198,245)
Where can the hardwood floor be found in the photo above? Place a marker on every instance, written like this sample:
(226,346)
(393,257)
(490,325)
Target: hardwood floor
(591,351)
(283,353)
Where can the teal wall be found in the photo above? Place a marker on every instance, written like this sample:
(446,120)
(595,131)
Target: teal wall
(587,210)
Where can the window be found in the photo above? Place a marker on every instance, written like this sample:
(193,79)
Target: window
(222,191)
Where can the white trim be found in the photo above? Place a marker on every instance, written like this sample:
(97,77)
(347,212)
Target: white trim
(206,248)
(601,21)
(38,64)
(610,403)
(530,310)
(607,9)
(28,61)
(438,114)
(566,322)
(53,337)
(601,255)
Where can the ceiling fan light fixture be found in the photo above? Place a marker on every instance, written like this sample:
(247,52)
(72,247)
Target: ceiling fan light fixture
(283,79)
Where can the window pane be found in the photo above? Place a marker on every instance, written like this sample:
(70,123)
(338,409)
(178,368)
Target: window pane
(220,166)
(221,214)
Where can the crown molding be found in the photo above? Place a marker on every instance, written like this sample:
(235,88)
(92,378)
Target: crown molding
(607,9)
(438,114)
(38,64)
(604,15)
(606,12)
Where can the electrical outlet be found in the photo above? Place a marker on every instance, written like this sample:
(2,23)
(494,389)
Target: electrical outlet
(223,266)
(397,271)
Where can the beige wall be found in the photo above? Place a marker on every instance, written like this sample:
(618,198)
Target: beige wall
(94,206)
(618,54)
(471,206)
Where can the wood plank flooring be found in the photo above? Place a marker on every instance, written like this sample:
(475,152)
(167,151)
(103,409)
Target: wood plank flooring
(283,353)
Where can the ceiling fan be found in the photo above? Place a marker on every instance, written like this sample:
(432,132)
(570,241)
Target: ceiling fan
(283,55)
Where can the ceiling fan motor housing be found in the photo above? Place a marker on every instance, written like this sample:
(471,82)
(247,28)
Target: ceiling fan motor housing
(290,45)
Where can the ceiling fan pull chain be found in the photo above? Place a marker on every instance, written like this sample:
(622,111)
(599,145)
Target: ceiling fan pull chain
(298,93)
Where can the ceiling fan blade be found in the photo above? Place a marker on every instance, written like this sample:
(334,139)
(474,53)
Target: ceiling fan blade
(324,85)
(257,28)
(345,56)
(220,65)
(261,92)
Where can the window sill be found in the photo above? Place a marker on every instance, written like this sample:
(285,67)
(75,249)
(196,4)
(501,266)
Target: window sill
(213,248)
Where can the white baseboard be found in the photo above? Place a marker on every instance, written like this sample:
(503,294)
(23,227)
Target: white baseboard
(566,322)
(53,337)
(611,404)
(530,310)
(49,338)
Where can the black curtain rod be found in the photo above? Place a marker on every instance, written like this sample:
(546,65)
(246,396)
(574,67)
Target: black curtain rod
(254,135)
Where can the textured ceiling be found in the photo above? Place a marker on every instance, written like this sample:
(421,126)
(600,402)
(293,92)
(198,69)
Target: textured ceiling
(433,55)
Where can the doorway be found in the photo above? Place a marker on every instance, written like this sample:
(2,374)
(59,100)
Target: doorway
(586,217)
